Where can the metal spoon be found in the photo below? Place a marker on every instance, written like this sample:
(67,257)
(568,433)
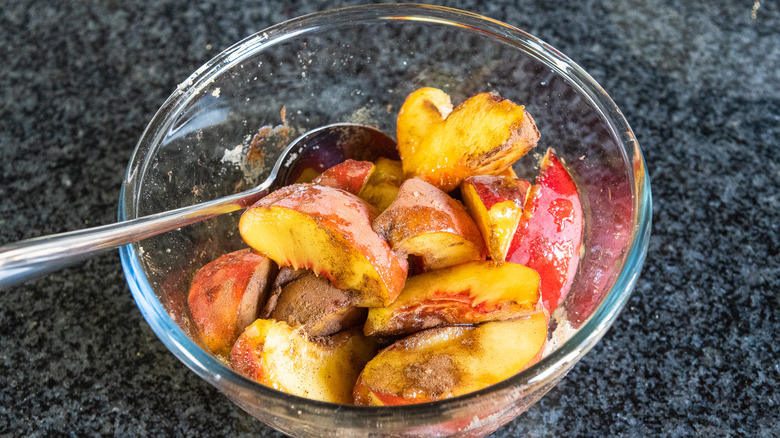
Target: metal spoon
(319,149)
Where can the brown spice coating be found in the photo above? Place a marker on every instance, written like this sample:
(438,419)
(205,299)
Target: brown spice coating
(285,276)
(400,224)
(524,137)
(312,302)
(434,376)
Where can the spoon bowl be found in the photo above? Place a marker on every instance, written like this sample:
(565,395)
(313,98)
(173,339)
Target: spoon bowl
(318,149)
(322,148)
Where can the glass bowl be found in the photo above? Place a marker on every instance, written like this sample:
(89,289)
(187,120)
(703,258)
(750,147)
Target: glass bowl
(222,129)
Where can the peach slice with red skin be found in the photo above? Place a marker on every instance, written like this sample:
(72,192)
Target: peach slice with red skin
(426,222)
(246,355)
(275,354)
(469,293)
(328,231)
(445,362)
(549,235)
(226,296)
(496,204)
(349,175)
(482,136)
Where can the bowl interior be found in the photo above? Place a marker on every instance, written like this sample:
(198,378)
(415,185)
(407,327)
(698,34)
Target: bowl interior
(222,130)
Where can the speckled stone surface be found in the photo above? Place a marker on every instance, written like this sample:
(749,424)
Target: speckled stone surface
(696,352)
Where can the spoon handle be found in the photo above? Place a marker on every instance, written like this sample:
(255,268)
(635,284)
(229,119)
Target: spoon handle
(28,259)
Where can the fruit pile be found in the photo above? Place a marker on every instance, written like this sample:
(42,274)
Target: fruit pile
(374,285)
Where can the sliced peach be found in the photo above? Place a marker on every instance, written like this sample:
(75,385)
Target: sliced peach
(482,136)
(446,362)
(349,175)
(382,186)
(310,301)
(246,356)
(496,205)
(426,222)
(329,232)
(286,275)
(549,235)
(227,294)
(510,172)
(274,354)
(307,175)
(465,294)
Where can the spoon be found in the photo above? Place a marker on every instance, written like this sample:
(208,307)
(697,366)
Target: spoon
(318,149)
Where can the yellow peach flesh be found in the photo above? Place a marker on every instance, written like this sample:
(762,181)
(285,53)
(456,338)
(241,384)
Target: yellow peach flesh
(328,231)
(450,361)
(426,222)
(497,225)
(440,250)
(465,294)
(482,136)
(382,186)
(277,355)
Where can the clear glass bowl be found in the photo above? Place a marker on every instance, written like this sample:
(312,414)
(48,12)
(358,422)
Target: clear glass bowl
(357,65)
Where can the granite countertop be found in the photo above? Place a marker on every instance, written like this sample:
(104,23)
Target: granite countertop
(695,351)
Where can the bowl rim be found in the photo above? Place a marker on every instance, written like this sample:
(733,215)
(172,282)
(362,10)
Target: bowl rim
(563,357)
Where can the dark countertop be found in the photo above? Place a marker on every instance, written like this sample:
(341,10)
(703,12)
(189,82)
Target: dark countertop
(695,352)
